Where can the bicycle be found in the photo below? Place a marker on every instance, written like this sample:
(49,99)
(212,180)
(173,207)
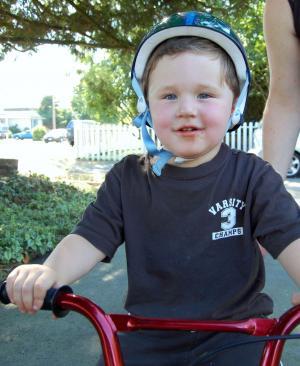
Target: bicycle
(273,331)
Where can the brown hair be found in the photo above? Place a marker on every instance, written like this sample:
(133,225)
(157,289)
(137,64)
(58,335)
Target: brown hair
(177,45)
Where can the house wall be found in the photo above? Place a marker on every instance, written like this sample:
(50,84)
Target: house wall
(24,118)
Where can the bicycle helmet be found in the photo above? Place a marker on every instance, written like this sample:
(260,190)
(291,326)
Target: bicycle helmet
(190,23)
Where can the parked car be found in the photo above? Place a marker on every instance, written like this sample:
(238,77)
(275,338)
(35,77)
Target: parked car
(57,135)
(22,135)
(294,169)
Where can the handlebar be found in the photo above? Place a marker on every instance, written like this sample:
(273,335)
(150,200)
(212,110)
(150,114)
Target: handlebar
(62,300)
(50,301)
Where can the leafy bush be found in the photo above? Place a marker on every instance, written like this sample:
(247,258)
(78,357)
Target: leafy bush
(14,129)
(36,214)
(38,133)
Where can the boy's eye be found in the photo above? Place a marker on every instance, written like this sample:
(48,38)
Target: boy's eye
(204,96)
(170,96)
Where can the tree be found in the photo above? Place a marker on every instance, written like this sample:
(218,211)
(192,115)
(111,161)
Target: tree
(45,111)
(104,92)
(250,29)
(119,25)
(110,24)
(62,115)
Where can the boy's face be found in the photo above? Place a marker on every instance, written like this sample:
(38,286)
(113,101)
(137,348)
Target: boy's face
(190,105)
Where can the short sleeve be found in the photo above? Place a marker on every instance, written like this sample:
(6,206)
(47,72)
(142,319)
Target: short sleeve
(274,212)
(102,221)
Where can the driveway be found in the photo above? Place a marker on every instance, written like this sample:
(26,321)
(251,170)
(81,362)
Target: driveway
(55,160)
(52,159)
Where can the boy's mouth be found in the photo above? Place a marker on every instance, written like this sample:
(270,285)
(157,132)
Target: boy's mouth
(189,129)
(183,129)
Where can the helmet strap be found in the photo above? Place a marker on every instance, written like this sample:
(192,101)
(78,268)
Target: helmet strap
(141,104)
(141,122)
(163,155)
(238,112)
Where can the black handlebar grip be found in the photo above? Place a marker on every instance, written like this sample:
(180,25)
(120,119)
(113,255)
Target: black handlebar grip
(49,301)
(3,294)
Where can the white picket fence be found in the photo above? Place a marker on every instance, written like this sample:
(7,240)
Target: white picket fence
(94,141)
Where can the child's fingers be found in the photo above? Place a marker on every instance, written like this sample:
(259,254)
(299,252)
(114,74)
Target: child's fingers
(17,290)
(27,286)
(10,282)
(45,281)
(28,290)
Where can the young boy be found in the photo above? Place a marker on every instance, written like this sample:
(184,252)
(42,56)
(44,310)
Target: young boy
(191,213)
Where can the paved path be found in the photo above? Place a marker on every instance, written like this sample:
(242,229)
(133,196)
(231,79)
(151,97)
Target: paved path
(39,340)
(55,160)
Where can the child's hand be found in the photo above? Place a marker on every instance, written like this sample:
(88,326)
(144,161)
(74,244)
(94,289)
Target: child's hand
(296,298)
(27,285)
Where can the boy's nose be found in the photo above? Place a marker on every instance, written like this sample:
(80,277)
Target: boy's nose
(187,107)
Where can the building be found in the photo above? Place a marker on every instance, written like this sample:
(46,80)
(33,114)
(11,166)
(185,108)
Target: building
(23,118)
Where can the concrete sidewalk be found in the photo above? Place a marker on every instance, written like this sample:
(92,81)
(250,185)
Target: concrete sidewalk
(54,160)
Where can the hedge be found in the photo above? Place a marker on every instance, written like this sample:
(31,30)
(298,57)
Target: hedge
(36,214)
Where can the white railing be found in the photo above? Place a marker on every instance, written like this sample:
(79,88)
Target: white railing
(94,141)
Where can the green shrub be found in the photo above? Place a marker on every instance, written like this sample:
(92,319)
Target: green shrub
(38,133)
(36,214)
(14,129)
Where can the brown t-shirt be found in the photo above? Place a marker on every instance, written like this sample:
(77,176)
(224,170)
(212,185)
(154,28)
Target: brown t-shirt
(191,234)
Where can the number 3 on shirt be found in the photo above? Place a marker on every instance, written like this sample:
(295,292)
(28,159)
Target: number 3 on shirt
(228,218)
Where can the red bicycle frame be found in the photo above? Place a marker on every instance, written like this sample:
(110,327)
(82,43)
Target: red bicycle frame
(107,326)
